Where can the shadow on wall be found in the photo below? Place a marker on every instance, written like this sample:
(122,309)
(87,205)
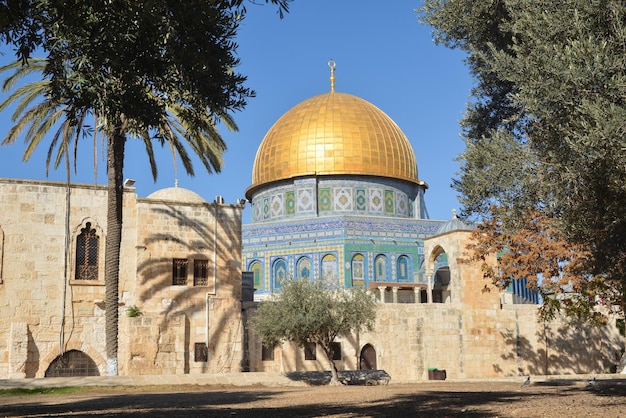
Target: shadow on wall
(32,357)
(189,231)
(568,347)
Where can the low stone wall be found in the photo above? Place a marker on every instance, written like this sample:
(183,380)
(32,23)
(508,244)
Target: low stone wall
(410,339)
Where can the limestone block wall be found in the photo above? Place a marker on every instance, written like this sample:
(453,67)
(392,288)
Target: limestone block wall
(398,338)
(467,343)
(480,343)
(489,348)
(37,295)
(177,317)
(32,291)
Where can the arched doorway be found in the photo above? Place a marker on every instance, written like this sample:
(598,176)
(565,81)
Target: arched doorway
(367,358)
(72,363)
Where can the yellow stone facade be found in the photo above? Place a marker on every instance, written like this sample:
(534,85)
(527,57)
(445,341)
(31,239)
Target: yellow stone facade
(44,314)
(474,334)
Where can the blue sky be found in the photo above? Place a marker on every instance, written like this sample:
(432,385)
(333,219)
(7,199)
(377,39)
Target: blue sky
(383,55)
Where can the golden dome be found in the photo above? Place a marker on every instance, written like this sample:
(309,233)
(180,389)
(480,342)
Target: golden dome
(334,133)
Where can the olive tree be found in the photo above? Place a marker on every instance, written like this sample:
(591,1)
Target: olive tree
(314,312)
(544,129)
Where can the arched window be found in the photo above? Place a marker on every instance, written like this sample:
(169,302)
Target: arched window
(402,269)
(257,270)
(329,268)
(381,265)
(357,268)
(279,273)
(303,268)
(72,363)
(441,260)
(87,249)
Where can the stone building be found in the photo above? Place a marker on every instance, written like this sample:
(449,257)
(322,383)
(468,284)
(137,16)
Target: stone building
(335,194)
(180,282)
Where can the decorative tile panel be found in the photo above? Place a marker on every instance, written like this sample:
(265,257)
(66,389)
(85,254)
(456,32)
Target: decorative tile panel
(325,200)
(290,202)
(402,204)
(305,202)
(377,203)
(361,199)
(257,213)
(343,199)
(277,206)
(389,202)
(266,208)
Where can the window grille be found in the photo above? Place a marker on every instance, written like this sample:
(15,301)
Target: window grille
(179,272)
(201,353)
(200,272)
(72,363)
(87,245)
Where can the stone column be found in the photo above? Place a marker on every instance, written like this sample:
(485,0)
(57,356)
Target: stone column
(416,291)
(381,289)
(394,289)
(429,293)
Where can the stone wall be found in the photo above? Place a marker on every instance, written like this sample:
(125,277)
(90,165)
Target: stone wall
(45,312)
(32,291)
(473,343)
(473,335)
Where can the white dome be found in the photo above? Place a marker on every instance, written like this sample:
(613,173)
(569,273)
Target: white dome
(177,194)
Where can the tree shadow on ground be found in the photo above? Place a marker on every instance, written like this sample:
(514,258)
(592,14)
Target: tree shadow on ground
(231,403)
(383,401)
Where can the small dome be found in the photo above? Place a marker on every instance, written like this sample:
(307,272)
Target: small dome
(334,134)
(177,194)
(454,224)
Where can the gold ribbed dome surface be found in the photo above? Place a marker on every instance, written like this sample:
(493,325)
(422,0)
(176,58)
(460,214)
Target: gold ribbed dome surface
(334,133)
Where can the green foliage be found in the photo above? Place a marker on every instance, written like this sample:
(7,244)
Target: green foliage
(133,311)
(546,127)
(307,311)
(44,391)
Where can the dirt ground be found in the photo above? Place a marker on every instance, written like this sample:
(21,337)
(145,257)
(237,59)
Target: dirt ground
(562,399)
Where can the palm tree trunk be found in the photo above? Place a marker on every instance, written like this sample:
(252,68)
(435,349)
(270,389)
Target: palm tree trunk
(115,166)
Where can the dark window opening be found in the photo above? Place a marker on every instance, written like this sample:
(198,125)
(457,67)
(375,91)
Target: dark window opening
(87,245)
(200,272)
(179,272)
(423,296)
(437,296)
(267,353)
(309,351)
(201,353)
(72,363)
(336,350)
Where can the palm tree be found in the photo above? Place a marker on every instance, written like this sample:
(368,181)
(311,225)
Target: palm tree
(179,126)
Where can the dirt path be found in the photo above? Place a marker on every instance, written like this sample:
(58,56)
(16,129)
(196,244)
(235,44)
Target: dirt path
(428,399)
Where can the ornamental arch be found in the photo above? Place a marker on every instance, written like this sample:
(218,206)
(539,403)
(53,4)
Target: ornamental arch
(439,276)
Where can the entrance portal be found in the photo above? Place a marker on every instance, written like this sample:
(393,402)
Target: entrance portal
(368,358)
